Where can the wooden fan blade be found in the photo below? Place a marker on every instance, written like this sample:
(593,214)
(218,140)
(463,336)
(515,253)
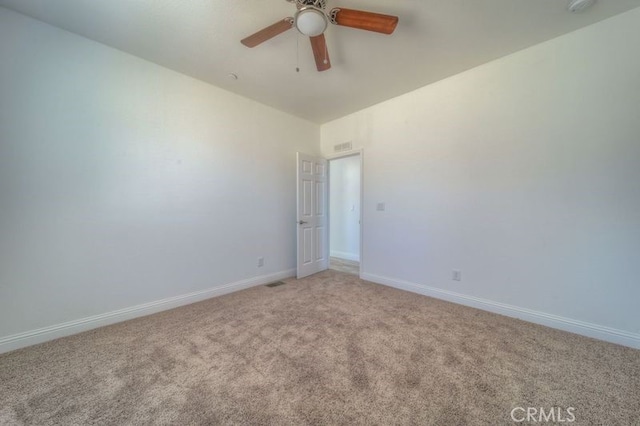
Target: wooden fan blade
(320,53)
(268,33)
(362,20)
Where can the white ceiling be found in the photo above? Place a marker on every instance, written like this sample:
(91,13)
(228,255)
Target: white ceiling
(434,39)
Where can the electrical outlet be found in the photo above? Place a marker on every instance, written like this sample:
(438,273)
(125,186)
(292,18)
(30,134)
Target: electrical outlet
(456,275)
(260,262)
(380,207)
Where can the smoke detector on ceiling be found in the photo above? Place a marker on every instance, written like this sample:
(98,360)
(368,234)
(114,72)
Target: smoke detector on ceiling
(580,5)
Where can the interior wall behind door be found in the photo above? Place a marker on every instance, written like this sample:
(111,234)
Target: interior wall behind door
(344,208)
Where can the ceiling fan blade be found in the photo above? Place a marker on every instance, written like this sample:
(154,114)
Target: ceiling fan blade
(320,53)
(362,20)
(268,33)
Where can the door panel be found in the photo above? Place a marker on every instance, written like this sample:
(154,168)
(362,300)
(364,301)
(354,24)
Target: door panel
(307,256)
(320,243)
(320,204)
(308,198)
(312,215)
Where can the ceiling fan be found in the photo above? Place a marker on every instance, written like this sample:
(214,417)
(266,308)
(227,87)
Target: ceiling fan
(311,20)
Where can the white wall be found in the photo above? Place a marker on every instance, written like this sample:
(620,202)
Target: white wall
(344,207)
(523,173)
(122,182)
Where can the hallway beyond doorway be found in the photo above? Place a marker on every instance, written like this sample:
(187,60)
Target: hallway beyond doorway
(344,265)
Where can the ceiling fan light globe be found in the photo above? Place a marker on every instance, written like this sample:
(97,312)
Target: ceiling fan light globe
(311,21)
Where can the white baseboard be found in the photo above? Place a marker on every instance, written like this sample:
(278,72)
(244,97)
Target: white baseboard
(595,331)
(344,255)
(44,334)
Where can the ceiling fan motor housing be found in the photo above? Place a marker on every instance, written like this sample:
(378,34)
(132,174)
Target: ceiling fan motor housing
(319,4)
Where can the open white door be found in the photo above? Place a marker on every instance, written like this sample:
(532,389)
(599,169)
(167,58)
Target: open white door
(313,251)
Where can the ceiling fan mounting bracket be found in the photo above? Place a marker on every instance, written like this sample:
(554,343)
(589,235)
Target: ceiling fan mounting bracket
(318,4)
(333,15)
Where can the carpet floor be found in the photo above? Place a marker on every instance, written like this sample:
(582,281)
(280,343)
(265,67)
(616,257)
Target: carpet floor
(328,349)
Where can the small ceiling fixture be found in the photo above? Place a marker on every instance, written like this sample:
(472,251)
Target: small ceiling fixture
(580,5)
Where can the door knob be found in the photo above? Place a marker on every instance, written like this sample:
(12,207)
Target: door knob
(301,222)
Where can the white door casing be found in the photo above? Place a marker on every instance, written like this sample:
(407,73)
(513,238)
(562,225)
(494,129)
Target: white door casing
(312,229)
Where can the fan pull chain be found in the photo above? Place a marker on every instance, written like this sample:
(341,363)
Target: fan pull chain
(297,53)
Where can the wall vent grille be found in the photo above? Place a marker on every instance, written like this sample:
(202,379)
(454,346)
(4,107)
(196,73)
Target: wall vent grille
(341,147)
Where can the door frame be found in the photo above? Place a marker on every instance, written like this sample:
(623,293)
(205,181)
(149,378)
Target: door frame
(329,158)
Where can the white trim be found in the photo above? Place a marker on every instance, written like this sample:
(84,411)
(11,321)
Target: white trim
(344,255)
(350,153)
(595,331)
(44,334)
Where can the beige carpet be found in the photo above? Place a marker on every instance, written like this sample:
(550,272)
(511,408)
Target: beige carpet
(330,349)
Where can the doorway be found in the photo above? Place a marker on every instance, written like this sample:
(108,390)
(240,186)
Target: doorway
(345,179)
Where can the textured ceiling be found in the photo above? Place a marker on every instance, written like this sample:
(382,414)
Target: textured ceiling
(434,39)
